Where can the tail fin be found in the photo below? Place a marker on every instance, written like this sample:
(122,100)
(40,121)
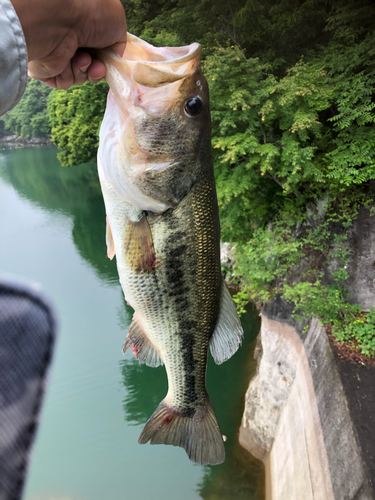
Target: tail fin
(199,433)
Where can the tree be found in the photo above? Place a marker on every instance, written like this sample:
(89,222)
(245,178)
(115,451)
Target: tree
(76,115)
(30,118)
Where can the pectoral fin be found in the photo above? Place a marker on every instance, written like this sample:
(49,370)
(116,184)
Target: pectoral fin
(109,240)
(139,246)
(142,347)
(228,333)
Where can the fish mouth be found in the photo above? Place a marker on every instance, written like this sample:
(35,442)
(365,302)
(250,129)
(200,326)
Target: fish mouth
(140,51)
(144,65)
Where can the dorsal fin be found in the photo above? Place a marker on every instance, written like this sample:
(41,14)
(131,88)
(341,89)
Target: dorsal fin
(228,333)
(142,347)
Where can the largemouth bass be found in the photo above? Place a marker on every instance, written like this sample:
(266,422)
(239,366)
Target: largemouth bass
(156,174)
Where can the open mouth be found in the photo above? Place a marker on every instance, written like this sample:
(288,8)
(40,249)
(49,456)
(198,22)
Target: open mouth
(150,66)
(141,51)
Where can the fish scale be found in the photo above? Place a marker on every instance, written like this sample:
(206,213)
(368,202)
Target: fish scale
(183,288)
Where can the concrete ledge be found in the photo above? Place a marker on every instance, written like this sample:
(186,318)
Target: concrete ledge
(297,420)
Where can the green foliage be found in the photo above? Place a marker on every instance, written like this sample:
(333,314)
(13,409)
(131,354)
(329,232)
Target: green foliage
(237,94)
(286,130)
(329,304)
(241,299)
(271,254)
(359,330)
(316,299)
(76,115)
(274,30)
(30,117)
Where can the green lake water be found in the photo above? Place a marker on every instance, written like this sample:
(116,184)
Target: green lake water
(52,227)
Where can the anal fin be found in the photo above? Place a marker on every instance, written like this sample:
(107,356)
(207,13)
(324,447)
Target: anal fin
(227,336)
(139,246)
(142,347)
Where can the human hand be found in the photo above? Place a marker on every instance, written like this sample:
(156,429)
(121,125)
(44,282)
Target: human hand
(55,29)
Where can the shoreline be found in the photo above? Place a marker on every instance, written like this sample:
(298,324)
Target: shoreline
(18,141)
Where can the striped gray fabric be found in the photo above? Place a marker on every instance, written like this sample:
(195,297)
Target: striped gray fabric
(27,336)
(13,58)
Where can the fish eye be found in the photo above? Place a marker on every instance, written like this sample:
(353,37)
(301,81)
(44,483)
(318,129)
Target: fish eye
(193,106)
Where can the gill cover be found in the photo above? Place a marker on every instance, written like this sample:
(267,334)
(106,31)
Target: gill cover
(147,86)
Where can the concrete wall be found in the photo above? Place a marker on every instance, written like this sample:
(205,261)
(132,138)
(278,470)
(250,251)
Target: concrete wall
(297,420)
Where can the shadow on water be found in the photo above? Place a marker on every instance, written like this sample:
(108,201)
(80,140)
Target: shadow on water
(240,477)
(36,174)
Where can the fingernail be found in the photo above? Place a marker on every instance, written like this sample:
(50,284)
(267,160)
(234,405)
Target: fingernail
(85,68)
(94,80)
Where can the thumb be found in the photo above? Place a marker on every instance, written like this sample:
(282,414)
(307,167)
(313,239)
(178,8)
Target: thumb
(119,47)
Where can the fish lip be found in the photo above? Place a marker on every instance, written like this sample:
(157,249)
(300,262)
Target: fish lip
(184,54)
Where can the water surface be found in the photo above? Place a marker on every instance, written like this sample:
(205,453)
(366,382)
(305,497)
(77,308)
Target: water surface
(52,227)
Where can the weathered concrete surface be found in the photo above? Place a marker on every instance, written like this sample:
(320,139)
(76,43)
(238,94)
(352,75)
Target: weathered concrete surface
(359,387)
(296,417)
(270,388)
(361,268)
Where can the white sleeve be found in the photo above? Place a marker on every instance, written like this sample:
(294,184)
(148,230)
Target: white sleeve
(13,58)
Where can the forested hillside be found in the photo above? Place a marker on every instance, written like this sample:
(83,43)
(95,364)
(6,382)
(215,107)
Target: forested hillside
(30,118)
(292,104)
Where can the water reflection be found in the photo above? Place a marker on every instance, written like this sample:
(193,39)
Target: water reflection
(145,388)
(37,175)
(239,478)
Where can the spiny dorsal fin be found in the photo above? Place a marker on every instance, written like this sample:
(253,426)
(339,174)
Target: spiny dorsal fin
(142,347)
(198,433)
(109,241)
(139,246)
(228,333)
